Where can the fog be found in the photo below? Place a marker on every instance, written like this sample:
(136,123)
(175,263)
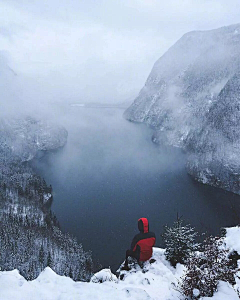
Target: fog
(56,53)
(102,140)
(110,173)
(93,51)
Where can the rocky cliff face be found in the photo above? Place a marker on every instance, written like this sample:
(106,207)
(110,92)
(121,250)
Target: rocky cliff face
(215,149)
(191,98)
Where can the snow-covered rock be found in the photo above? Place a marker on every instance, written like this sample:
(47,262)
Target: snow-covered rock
(103,275)
(27,136)
(47,197)
(232,238)
(225,292)
(191,98)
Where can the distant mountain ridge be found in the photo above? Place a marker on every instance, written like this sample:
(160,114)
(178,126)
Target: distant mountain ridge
(191,98)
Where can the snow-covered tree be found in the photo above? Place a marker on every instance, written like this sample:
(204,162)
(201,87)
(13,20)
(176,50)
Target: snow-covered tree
(49,260)
(41,255)
(30,235)
(179,241)
(206,269)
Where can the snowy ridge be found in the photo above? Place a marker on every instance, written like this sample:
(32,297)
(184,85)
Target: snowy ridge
(154,284)
(154,281)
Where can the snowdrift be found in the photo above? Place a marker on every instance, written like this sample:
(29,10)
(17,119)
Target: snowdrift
(153,281)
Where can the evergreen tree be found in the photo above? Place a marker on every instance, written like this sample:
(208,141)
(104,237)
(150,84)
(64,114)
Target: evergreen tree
(70,273)
(41,255)
(179,242)
(49,260)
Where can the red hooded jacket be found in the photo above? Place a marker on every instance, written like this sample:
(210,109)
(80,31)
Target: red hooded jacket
(143,242)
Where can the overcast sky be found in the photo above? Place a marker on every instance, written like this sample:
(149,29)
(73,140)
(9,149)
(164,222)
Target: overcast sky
(99,50)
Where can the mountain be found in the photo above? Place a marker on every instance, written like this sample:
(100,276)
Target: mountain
(215,149)
(26,136)
(30,235)
(191,99)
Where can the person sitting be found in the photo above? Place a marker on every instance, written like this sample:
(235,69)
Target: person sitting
(142,243)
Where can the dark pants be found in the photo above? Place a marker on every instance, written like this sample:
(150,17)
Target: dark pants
(133,254)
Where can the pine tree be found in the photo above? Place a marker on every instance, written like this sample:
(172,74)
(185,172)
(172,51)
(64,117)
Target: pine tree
(179,241)
(70,273)
(41,255)
(49,260)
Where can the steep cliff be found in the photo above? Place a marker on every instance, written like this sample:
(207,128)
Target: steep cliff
(215,149)
(191,99)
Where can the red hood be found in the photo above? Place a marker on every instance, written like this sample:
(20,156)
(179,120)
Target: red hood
(143,225)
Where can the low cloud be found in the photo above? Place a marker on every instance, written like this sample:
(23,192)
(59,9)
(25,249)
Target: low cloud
(96,50)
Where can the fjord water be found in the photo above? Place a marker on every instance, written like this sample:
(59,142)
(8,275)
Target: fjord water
(110,173)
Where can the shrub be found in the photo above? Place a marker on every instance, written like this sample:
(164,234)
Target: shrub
(204,270)
(179,242)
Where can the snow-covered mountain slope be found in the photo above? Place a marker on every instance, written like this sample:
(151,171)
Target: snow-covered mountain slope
(154,281)
(189,90)
(215,149)
(30,234)
(26,136)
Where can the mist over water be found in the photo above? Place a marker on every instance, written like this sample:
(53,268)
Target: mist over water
(110,174)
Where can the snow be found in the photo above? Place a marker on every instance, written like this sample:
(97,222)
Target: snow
(196,292)
(103,275)
(225,292)
(233,238)
(154,284)
(153,281)
(47,197)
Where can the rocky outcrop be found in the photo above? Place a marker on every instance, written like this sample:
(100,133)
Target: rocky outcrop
(191,98)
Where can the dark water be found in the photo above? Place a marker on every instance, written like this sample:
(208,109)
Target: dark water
(110,174)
